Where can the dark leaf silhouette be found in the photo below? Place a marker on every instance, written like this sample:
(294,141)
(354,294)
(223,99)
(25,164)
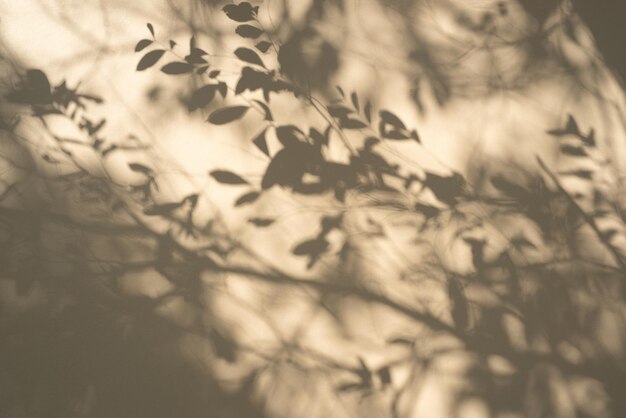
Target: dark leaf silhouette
(140,168)
(177,67)
(248,31)
(150,59)
(36,90)
(339,111)
(263,46)
(143,44)
(172,44)
(227,114)
(222,89)
(214,73)
(289,165)
(195,59)
(268,113)
(590,139)
(289,135)
(384,374)
(427,210)
(261,222)
(202,97)
(150,28)
(445,188)
(571,128)
(314,246)
(390,118)
(391,127)
(249,56)
(253,80)
(227,177)
(247,198)
(318,137)
(242,12)
(352,124)
(198,51)
(261,142)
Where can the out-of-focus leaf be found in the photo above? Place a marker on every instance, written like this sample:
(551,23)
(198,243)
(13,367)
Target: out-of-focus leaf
(459,304)
(508,188)
(355,101)
(384,373)
(261,222)
(227,177)
(261,142)
(150,28)
(427,210)
(223,347)
(339,111)
(140,168)
(162,209)
(247,198)
(268,113)
(391,119)
(573,150)
(311,247)
(571,128)
(352,124)
(583,174)
(367,110)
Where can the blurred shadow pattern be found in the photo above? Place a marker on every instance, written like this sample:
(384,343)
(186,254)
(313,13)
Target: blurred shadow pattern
(249,209)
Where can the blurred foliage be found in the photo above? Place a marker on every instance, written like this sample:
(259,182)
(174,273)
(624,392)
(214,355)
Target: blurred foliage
(538,313)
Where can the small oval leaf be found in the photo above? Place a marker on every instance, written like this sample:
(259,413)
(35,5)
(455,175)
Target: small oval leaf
(248,31)
(227,177)
(247,198)
(263,46)
(177,67)
(227,114)
(249,56)
(150,59)
(143,44)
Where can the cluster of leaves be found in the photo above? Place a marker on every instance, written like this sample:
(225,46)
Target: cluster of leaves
(302,164)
